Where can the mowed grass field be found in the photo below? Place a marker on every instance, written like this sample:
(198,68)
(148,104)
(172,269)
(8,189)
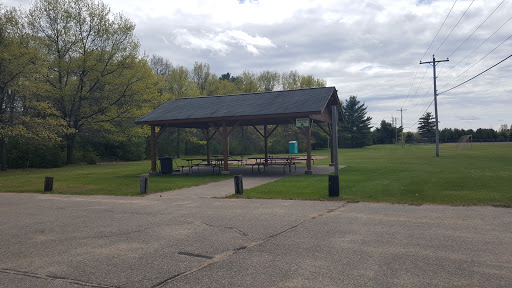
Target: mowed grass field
(100,179)
(412,174)
(381,173)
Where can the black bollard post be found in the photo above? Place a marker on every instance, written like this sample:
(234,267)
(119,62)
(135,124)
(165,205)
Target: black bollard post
(334,186)
(144,184)
(239,185)
(48,184)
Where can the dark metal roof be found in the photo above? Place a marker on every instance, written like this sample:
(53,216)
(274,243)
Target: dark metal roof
(293,102)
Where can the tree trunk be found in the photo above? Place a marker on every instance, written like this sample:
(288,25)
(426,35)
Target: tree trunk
(70,145)
(3,155)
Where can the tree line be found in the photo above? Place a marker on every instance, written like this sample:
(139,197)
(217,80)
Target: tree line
(386,133)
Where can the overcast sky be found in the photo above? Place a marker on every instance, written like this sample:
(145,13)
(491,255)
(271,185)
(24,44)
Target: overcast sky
(370,49)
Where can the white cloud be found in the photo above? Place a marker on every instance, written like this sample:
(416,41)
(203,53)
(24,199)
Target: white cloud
(221,43)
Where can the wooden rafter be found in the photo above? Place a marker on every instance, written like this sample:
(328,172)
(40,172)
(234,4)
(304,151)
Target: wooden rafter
(323,129)
(161,131)
(258,130)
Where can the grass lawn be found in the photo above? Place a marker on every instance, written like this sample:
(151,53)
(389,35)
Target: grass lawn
(388,173)
(100,179)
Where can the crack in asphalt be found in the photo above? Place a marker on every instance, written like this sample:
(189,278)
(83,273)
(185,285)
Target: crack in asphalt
(229,253)
(54,278)
(242,233)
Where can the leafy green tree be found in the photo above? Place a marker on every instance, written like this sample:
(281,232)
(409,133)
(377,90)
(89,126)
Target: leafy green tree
(293,80)
(503,132)
(290,80)
(247,82)
(268,80)
(160,65)
(409,137)
(221,87)
(386,133)
(427,126)
(93,72)
(25,119)
(355,132)
(161,69)
(485,134)
(228,77)
(179,84)
(200,75)
(309,81)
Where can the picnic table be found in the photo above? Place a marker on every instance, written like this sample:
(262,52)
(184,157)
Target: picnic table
(217,162)
(275,160)
(219,159)
(196,162)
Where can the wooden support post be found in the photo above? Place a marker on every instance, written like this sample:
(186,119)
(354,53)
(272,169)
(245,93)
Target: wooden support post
(306,131)
(332,140)
(153,149)
(225,146)
(266,134)
(208,153)
(265,137)
(144,184)
(308,148)
(334,180)
(335,138)
(329,133)
(208,137)
(48,184)
(225,134)
(239,185)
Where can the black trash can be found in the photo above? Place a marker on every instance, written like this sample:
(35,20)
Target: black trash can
(166,164)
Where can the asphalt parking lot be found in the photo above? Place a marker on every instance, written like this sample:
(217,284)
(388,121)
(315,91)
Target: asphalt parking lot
(195,238)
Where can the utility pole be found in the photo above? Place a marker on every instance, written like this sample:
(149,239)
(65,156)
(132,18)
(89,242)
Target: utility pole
(402,125)
(393,124)
(401,116)
(434,63)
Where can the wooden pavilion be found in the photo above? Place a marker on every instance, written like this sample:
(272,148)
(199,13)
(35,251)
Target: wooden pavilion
(222,114)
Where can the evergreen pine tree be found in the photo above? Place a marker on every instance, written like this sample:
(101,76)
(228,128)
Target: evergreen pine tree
(355,132)
(427,126)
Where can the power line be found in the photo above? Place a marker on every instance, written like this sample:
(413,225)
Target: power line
(478,60)
(414,79)
(418,88)
(439,30)
(477,49)
(454,26)
(415,74)
(422,114)
(476,75)
(419,103)
(476,28)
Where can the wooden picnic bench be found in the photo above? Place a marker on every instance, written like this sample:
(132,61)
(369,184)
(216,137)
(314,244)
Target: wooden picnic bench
(273,161)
